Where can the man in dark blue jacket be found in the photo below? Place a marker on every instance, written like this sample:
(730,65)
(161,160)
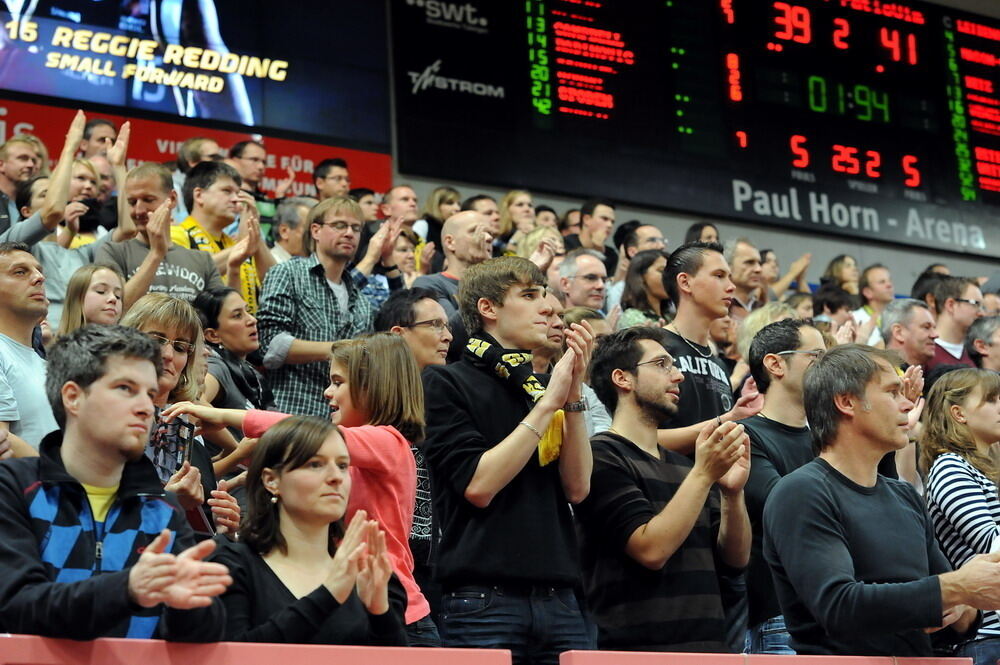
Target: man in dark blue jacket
(90,543)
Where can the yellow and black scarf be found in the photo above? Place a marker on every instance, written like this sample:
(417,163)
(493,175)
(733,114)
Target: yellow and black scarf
(514,368)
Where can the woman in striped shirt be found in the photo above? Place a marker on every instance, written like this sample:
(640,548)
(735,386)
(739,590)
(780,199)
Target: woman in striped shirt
(961,424)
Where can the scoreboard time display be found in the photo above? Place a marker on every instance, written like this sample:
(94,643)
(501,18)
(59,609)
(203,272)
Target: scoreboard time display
(867,118)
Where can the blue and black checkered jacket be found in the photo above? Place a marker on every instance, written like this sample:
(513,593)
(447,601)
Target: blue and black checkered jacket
(64,575)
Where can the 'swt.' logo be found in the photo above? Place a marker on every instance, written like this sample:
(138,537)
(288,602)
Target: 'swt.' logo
(452,15)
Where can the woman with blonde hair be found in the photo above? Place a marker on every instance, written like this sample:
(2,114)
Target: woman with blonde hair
(182,463)
(298,575)
(960,429)
(93,295)
(440,205)
(517,217)
(377,399)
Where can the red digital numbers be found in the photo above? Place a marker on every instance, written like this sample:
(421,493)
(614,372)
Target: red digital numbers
(850,160)
(845,159)
(841,32)
(794,23)
(872,164)
(798,146)
(911,171)
(892,40)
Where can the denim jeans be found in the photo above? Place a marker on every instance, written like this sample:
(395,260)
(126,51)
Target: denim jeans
(423,633)
(769,637)
(536,624)
(982,652)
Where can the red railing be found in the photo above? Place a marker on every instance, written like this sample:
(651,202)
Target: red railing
(31,650)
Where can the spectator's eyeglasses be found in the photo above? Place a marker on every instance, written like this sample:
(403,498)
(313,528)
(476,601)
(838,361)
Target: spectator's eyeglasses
(978,304)
(812,353)
(438,325)
(180,345)
(663,363)
(341,226)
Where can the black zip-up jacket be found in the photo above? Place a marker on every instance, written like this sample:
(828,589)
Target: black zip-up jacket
(62,574)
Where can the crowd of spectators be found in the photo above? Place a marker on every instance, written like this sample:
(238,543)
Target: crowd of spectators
(231,414)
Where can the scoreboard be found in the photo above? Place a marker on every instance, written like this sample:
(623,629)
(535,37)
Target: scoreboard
(873,119)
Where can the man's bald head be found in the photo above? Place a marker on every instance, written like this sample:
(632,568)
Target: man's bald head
(465,236)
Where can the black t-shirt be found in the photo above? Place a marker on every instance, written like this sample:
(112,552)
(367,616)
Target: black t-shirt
(705,392)
(677,608)
(572,242)
(775,451)
(855,568)
(526,533)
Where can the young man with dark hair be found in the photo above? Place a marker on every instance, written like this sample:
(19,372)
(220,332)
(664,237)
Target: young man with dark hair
(637,239)
(959,303)
(90,543)
(655,530)
(780,442)
(508,454)
(597,218)
(212,193)
(853,556)
(697,279)
(150,262)
(331,178)
(908,329)
(833,305)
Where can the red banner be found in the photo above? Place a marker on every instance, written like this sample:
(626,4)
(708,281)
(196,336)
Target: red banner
(154,141)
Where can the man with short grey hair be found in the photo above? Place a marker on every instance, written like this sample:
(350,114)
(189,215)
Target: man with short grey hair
(747,275)
(907,326)
(981,340)
(844,587)
(582,278)
(288,227)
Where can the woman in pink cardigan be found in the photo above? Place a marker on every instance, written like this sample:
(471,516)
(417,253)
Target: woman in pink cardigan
(377,399)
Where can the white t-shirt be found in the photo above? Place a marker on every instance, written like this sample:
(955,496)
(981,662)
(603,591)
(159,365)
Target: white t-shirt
(23,403)
(340,293)
(861,317)
(955,350)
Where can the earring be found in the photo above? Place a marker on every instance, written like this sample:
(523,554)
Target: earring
(274,498)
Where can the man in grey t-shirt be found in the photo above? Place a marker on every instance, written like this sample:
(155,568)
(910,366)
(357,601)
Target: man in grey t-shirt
(150,262)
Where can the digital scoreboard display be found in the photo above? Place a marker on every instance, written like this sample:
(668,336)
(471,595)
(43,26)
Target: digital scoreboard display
(879,120)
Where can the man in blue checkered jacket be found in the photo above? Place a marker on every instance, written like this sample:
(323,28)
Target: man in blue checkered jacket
(90,543)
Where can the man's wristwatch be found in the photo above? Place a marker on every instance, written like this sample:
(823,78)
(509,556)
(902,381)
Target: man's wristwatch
(574,407)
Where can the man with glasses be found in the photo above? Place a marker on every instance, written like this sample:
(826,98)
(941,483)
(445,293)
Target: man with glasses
(331,178)
(780,442)
(657,529)
(582,278)
(309,303)
(959,302)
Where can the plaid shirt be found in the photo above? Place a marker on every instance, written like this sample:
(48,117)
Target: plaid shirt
(297,300)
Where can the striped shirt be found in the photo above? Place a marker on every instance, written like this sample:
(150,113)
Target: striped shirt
(676,608)
(965,510)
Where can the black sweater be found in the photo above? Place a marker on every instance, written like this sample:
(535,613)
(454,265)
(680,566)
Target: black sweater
(260,608)
(855,567)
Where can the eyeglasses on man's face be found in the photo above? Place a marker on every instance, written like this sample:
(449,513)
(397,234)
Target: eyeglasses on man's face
(812,353)
(437,325)
(341,226)
(663,363)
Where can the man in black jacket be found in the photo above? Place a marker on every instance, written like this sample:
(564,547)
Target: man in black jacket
(90,544)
